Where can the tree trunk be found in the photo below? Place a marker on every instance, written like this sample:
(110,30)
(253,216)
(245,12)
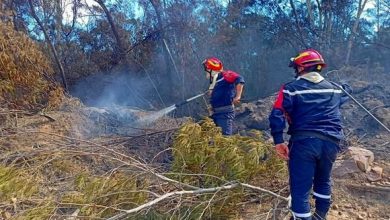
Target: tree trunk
(297,23)
(51,46)
(157,8)
(58,19)
(320,14)
(121,51)
(309,12)
(320,25)
(361,7)
(326,25)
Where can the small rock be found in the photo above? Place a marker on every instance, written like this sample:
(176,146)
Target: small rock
(373,176)
(340,213)
(360,217)
(363,158)
(335,207)
(378,170)
(358,151)
(6,215)
(362,163)
(348,206)
(345,168)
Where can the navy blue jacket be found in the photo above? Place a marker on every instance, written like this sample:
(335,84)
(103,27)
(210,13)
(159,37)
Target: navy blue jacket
(225,89)
(310,104)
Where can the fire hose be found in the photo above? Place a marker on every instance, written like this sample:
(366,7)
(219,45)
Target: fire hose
(361,106)
(337,85)
(190,99)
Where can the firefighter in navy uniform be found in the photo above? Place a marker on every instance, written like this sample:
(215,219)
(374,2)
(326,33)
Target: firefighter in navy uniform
(225,91)
(311,106)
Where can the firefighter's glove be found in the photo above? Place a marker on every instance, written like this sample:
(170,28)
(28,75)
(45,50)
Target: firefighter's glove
(282,151)
(236,100)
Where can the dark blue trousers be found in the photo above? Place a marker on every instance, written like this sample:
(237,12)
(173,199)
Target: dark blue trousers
(225,121)
(310,166)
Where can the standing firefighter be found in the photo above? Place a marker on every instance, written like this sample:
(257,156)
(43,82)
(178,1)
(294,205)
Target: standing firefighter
(311,106)
(225,88)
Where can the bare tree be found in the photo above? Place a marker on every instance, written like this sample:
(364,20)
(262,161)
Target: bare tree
(159,12)
(328,25)
(121,51)
(309,11)
(361,6)
(302,39)
(75,6)
(50,44)
(6,12)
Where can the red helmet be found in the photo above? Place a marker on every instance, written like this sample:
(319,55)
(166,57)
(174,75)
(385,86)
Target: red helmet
(212,63)
(307,58)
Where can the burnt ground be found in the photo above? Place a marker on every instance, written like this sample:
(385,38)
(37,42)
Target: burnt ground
(355,197)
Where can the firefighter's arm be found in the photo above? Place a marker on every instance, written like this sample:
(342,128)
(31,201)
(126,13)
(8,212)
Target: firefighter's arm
(239,89)
(277,118)
(279,114)
(346,89)
(345,97)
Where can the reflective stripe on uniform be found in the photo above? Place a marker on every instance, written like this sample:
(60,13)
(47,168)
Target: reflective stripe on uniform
(214,82)
(312,91)
(302,215)
(322,196)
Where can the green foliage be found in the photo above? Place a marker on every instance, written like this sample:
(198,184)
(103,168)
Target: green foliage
(204,157)
(95,195)
(202,149)
(16,184)
(43,210)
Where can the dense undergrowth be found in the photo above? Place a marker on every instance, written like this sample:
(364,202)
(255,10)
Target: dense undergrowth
(202,149)
(26,76)
(44,175)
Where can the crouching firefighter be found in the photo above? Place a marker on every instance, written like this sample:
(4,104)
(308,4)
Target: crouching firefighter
(311,106)
(225,91)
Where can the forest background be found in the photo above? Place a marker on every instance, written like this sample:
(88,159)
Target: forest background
(62,158)
(148,53)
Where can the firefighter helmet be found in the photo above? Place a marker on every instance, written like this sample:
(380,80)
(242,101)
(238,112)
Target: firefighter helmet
(307,58)
(212,63)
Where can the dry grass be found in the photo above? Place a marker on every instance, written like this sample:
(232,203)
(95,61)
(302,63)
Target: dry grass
(50,174)
(25,73)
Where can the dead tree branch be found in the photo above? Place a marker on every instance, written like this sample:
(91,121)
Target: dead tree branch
(176,193)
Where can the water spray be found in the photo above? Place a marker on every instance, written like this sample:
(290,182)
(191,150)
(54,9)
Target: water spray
(156,115)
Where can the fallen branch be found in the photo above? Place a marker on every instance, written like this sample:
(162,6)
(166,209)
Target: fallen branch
(198,191)
(265,191)
(46,116)
(22,112)
(165,196)
(140,165)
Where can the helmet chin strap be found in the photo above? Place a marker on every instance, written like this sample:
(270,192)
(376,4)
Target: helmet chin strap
(296,72)
(213,79)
